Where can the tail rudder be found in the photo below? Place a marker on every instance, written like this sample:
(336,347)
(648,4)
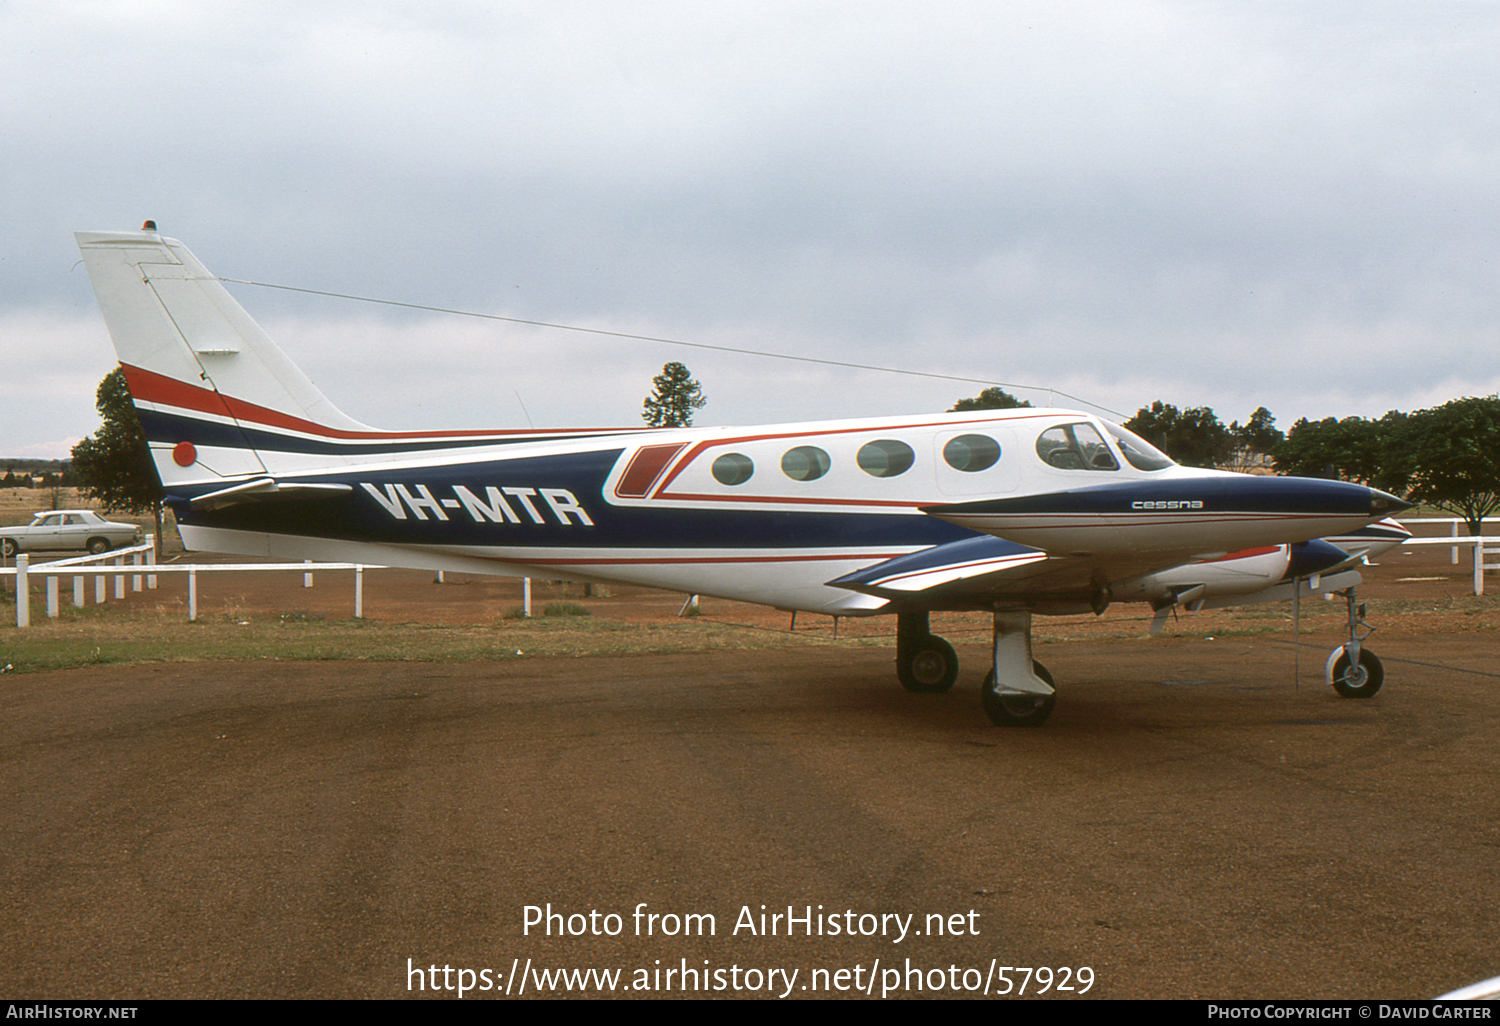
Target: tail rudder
(210,386)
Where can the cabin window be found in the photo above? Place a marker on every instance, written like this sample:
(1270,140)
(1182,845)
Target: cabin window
(971,453)
(733,468)
(805,463)
(885,457)
(1075,447)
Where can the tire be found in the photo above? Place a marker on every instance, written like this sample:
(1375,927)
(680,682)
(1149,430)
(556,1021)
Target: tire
(929,667)
(7,547)
(1012,710)
(97,546)
(1362,681)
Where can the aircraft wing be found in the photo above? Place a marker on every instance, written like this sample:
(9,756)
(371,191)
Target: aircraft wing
(983,571)
(970,566)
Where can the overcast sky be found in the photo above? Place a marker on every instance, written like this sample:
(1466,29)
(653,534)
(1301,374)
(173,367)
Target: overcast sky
(1224,204)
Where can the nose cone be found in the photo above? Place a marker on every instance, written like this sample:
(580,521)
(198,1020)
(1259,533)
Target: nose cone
(1383,504)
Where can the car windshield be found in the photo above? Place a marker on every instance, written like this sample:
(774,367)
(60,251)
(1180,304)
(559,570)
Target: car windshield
(1138,452)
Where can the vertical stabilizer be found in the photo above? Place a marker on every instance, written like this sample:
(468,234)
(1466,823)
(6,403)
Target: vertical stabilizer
(216,396)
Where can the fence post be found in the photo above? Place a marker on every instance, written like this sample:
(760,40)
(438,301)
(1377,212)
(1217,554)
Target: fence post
(151,561)
(23,592)
(52,609)
(120,578)
(307,577)
(192,595)
(135,582)
(1479,566)
(1454,551)
(526,596)
(78,592)
(359,592)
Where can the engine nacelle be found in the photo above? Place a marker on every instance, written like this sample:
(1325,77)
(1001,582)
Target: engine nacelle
(1238,573)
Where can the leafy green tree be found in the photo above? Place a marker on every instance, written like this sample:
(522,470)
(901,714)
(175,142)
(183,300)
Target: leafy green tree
(1369,452)
(1452,453)
(676,395)
(1193,437)
(114,466)
(989,399)
(1254,441)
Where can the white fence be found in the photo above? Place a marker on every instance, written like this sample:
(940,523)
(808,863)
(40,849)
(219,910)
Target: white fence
(143,569)
(1483,546)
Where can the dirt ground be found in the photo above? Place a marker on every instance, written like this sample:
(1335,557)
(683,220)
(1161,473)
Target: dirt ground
(1193,822)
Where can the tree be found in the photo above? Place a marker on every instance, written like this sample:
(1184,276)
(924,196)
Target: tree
(1192,437)
(989,399)
(1254,441)
(114,466)
(1369,452)
(1453,455)
(675,398)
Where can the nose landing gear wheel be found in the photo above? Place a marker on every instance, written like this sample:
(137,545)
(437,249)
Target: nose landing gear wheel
(1362,675)
(1355,681)
(1013,709)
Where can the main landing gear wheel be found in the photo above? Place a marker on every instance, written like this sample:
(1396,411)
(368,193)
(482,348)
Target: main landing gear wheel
(1355,681)
(1009,709)
(925,663)
(929,667)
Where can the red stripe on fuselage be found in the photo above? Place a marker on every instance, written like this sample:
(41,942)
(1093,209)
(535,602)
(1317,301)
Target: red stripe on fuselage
(151,387)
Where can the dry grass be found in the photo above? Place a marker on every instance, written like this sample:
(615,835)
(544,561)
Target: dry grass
(99,635)
(112,635)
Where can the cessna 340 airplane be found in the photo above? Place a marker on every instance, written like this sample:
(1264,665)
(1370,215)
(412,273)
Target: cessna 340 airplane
(1014,512)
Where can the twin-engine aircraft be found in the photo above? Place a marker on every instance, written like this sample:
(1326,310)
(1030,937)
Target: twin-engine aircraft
(1014,512)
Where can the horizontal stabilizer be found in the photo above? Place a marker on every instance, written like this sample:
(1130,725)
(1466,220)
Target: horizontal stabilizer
(266,489)
(964,566)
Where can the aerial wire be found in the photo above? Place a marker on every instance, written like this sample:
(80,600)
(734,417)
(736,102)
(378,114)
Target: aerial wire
(674,341)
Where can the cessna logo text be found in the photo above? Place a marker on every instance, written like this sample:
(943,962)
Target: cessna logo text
(1168,504)
(496,506)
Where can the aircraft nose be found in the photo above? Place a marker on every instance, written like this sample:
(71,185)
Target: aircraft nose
(1383,504)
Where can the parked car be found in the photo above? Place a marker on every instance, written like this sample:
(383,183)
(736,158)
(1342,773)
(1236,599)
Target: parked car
(67,529)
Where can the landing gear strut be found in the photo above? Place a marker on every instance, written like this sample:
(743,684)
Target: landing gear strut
(1018,692)
(925,663)
(1354,671)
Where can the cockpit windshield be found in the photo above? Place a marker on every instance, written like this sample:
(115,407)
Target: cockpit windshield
(1138,452)
(1075,447)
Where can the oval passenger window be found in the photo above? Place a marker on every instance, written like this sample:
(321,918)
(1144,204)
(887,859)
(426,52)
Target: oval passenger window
(733,468)
(885,457)
(971,453)
(805,463)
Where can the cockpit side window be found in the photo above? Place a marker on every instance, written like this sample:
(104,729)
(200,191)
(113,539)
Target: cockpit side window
(1075,447)
(1138,452)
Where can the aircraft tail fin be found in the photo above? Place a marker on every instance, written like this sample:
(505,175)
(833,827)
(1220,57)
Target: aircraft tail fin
(216,397)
